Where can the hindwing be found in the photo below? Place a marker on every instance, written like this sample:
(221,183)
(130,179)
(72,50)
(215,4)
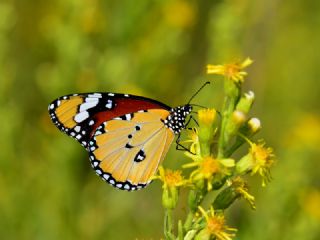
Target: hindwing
(126,151)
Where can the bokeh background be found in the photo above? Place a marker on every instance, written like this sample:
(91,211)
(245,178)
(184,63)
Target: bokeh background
(157,49)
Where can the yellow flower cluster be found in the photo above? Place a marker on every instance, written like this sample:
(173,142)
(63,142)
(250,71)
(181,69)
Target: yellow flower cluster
(212,144)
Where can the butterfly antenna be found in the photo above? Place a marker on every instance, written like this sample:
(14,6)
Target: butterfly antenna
(197,105)
(205,84)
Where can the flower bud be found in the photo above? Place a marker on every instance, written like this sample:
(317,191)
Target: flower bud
(217,183)
(194,198)
(245,164)
(203,235)
(236,121)
(170,198)
(251,127)
(225,198)
(254,125)
(207,118)
(245,102)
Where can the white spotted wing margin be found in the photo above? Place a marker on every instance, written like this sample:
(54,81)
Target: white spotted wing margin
(126,151)
(73,113)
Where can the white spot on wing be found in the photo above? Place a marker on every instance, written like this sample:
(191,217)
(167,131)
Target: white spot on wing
(111,94)
(109,104)
(98,133)
(95,95)
(80,117)
(77,128)
(88,105)
(91,122)
(128,117)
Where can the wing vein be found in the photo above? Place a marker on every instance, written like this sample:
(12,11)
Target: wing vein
(153,153)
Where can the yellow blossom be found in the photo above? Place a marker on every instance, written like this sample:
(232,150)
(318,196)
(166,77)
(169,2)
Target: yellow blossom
(170,178)
(194,140)
(259,160)
(240,186)
(233,71)
(207,116)
(209,168)
(215,225)
(263,160)
(207,129)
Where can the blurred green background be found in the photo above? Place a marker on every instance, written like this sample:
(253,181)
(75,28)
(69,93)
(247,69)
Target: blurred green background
(157,49)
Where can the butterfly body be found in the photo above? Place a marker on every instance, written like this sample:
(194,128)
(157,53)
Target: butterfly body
(126,136)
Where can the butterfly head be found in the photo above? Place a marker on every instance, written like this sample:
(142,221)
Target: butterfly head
(176,119)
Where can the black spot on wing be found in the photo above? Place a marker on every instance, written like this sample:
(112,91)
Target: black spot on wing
(128,146)
(141,155)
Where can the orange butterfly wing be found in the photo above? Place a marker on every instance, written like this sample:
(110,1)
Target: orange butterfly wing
(126,151)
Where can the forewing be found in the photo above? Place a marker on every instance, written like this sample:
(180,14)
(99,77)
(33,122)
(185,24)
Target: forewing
(78,115)
(126,151)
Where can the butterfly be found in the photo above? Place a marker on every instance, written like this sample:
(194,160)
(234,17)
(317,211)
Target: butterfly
(126,136)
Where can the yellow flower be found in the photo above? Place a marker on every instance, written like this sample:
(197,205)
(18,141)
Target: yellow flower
(231,71)
(263,160)
(207,129)
(207,116)
(170,178)
(259,160)
(216,227)
(194,140)
(209,168)
(240,186)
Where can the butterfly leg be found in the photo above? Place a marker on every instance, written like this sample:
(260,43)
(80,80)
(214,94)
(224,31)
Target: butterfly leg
(180,147)
(189,120)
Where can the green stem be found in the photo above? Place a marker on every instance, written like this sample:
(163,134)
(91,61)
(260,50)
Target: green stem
(232,95)
(221,141)
(168,225)
(235,146)
(188,223)
(180,230)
